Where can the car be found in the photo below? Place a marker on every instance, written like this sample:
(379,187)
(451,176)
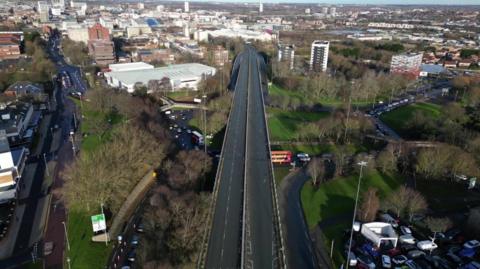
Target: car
(135,240)
(386,261)
(471,265)
(139,228)
(304,157)
(394,252)
(454,258)
(453,249)
(389,219)
(407,239)
(407,247)
(131,255)
(352,258)
(441,263)
(467,252)
(189,131)
(413,254)
(422,263)
(365,262)
(451,234)
(472,244)
(427,245)
(370,250)
(400,259)
(412,265)
(179,130)
(405,230)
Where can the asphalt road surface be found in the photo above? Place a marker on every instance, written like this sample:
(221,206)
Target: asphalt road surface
(224,245)
(260,249)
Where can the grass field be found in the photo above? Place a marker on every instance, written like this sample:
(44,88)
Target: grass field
(398,118)
(84,254)
(334,201)
(283,125)
(183,95)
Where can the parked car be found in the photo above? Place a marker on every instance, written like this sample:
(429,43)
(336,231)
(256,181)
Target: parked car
(366,262)
(412,265)
(413,254)
(352,258)
(471,265)
(426,245)
(452,233)
(407,239)
(370,250)
(441,263)
(423,264)
(400,259)
(131,255)
(394,252)
(135,240)
(454,258)
(389,219)
(406,248)
(467,252)
(386,261)
(472,244)
(405,230)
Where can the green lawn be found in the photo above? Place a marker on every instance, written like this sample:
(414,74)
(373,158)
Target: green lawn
(90,119)
(284,124)
(183,95)
(397,118)
(84,254)
(334,200)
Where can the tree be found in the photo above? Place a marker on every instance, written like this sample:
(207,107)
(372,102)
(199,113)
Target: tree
(387,160)
(438,225)
(188,168)
(405,202)
(369,205)
(316,170)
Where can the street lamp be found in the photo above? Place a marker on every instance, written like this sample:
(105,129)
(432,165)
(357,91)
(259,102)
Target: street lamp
(46,166)
(73,142)
(362,164)
(66,235)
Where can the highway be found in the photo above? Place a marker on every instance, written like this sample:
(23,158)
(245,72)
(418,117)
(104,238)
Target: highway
(224,244)
(260,249)
(243,232)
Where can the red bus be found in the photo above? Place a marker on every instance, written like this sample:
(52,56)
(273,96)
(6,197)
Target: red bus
(281,156)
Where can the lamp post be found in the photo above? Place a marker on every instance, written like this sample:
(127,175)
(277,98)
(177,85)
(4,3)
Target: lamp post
(362,164)
(46,166)
(204,97)
(66,235)
(73,142)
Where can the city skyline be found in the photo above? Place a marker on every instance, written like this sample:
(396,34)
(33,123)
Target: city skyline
(350,2)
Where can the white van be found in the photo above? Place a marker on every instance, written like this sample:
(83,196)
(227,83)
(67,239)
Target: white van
(426,245)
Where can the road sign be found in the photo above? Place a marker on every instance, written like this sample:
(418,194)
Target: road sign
(99,223)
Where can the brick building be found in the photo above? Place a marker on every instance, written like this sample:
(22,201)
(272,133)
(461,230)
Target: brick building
(98,32)
(10,45)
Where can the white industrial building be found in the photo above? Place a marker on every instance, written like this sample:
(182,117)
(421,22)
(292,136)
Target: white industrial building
(180,75)
(319,55)
(378,232)
(242,33)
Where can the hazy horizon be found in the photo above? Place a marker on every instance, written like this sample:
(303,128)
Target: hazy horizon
(350,2)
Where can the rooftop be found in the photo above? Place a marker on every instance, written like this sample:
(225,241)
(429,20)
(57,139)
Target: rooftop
(174,72)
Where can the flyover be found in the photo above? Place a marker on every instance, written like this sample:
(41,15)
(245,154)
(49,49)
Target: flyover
(245,231)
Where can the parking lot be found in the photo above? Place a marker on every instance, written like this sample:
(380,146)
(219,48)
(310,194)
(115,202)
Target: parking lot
(414,249)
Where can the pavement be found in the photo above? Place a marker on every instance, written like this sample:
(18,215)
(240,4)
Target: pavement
(224,245)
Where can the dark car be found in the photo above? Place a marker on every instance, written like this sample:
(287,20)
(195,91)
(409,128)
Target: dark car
(454,258)
(131,255)
(452,233)
(423,264)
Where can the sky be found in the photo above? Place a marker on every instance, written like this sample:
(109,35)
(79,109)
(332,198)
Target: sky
(370,2)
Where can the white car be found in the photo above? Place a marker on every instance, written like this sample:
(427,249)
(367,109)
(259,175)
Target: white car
(386,261)
(405,230)
(472,244)
(407,239)
(426,245)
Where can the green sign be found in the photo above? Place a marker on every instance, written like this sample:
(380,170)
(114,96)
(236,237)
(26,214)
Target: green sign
(99,223)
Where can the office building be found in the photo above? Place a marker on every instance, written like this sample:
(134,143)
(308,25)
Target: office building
(333,11)
(12,164)
(319,55)
(408,64)
(186,7)
(260,7)
(286,53)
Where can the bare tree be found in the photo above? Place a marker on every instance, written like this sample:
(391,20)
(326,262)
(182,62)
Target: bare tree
(369,205)
(316,170)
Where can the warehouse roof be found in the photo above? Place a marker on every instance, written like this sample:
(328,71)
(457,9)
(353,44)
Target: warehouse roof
(174,72)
